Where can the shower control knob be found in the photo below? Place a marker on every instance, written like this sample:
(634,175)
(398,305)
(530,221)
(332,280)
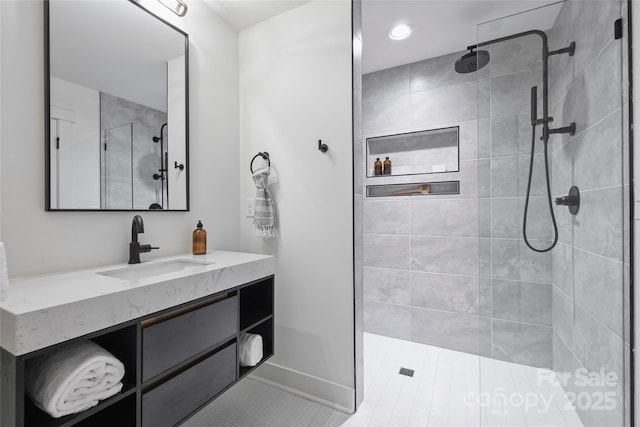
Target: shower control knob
(572,200)
(566,201)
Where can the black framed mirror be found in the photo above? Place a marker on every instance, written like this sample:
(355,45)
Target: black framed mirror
(116,108)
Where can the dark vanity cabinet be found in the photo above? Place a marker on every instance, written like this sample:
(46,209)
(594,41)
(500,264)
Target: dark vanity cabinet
(176,361)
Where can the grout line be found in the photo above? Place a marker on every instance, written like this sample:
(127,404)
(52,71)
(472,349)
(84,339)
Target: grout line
(456,313)
(420,236)
(409,92)
(492,200)
(528,282)
(562,291)
(519,239)
(459,275)
(565,343)
(615,334)
(511,156)
(584,131)
(521,323)
(582,73)
(528,70)
(515,198)
(421,308)
(617,261)
(612,187)
(587,311)
(410,274)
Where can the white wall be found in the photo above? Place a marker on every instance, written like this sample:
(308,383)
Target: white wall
(39,241)
(80,151)
(175,115)
(295,88)
(2,41)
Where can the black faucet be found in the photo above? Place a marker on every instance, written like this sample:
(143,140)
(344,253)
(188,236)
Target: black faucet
(135,248)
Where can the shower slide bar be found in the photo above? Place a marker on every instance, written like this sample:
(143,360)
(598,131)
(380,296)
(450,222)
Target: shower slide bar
(469,64)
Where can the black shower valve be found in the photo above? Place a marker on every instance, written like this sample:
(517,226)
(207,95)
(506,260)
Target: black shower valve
(567,201)
(572,200)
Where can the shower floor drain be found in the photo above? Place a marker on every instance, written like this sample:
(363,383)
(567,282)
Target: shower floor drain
(407,372)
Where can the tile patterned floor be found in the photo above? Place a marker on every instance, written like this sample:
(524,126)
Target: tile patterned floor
(444,391)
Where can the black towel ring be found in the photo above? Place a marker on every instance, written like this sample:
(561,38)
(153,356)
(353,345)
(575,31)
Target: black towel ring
(264,155)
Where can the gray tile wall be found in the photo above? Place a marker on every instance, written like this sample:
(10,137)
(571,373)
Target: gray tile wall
(128,165)
(421,255)
(518,279)
(452,271)
(589,265)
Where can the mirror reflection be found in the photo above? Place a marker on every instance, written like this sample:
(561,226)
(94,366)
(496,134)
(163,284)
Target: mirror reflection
(118,108)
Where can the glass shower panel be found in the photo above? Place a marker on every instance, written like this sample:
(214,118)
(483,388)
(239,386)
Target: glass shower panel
(555,301)
(117,189)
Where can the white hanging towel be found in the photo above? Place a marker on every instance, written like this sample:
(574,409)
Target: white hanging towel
(73,378)
(264,211)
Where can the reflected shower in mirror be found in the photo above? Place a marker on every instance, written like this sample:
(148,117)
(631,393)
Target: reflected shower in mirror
(117,102)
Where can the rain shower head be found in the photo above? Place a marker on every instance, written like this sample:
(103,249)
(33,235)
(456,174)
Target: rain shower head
(156,139)
(472,61)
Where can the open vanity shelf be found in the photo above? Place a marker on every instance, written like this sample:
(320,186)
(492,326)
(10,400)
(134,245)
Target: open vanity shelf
(121,341)
(176,360)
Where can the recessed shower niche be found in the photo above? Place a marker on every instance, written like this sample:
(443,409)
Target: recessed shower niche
(412,153)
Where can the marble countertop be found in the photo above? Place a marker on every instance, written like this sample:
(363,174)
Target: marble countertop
(43,310)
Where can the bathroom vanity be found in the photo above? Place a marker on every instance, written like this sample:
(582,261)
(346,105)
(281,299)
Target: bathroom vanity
(174,323)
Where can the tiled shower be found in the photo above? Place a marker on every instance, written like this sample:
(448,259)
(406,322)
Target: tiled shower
(453,271)
(130,157)
(428,261)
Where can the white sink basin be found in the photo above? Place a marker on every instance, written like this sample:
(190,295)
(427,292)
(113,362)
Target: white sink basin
(145,271)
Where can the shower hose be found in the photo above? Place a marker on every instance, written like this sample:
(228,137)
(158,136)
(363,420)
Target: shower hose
(526,202)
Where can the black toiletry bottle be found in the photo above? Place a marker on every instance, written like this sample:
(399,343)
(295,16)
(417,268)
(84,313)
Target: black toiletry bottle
(199,240)
(377,167)
(386,170)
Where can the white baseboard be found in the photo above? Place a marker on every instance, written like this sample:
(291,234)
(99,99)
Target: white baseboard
(319,390)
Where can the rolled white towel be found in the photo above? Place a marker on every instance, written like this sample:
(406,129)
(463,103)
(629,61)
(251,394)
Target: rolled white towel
(250,349)
(73,378)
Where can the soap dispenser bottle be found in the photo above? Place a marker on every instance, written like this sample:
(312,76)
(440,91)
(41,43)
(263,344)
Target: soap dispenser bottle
(199,240)
(386,170)
(377,167)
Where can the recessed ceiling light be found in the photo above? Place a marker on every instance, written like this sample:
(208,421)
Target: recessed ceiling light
(400,32)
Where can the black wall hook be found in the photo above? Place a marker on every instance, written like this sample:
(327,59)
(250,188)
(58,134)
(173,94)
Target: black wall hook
(262,154)
(177,165)
(322,147)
